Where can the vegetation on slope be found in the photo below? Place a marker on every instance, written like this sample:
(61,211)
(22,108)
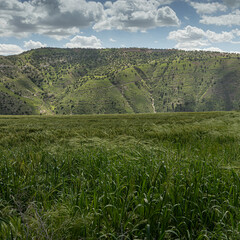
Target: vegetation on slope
(138,176)
(83,81)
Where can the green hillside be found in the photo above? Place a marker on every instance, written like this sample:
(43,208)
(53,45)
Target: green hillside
(85,81)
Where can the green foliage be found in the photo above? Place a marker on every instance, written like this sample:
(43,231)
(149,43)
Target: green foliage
(136,176)
(84,81)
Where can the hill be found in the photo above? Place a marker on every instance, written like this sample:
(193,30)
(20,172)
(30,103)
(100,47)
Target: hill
(86,81)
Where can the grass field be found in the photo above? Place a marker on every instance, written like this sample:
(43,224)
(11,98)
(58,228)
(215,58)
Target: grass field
(139,176)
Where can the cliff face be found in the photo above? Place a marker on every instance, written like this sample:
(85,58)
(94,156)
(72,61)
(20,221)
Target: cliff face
(85,81)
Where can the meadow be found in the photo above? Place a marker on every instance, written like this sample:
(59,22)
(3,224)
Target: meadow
(133,176)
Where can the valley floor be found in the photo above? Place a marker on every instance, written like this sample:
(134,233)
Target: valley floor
(135,176)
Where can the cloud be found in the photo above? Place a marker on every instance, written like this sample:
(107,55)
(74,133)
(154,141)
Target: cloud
(192,45)
(112,40)
(195,38)
(189,38)
(213,49)
(10,49)
(208,8)
(189,33)
(60,34)
(223,20)
(232,3)
(55,18)
(136,15)
(60,18)
(72,13)
(16,18)
(219,37)
(84,42)
(33,45)
(237,32)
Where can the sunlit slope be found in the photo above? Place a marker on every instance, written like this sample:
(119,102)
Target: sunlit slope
(82,81)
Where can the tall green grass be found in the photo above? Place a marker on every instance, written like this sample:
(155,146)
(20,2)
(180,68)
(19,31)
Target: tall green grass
(162,176)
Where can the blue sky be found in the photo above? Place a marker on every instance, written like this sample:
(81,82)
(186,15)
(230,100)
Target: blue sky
(182,24)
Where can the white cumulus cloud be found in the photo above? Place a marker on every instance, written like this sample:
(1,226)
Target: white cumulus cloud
(219,37)
(230,19)
(189,38)
(189,33)
(33,45)
(208,8)
(136,15)
(213,49)
(196,38)
(10,49)
(84,42)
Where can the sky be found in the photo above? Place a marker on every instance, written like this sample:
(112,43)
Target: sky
(164,24)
